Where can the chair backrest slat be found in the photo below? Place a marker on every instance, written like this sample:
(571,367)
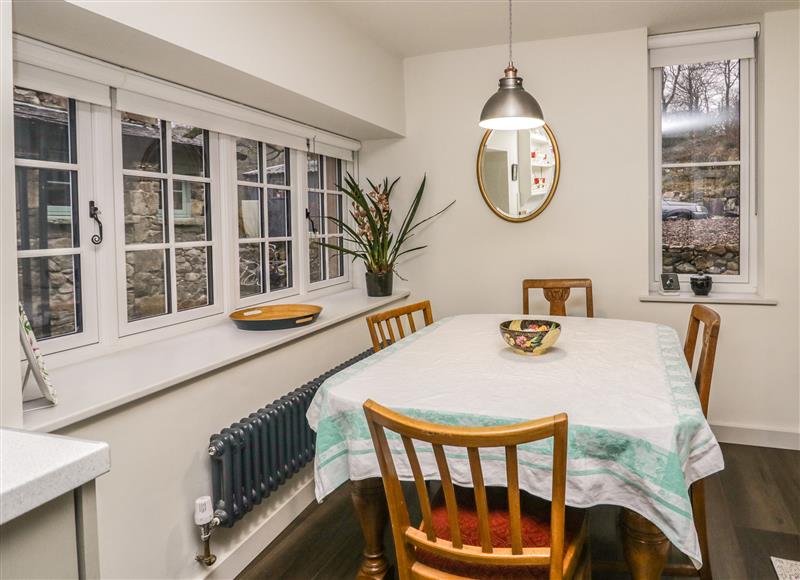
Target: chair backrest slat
(376,322)
(514,508)
(408,538)
(449,495)
(556,292)
(708,349)
(481,504)
(422,489)
(411,323)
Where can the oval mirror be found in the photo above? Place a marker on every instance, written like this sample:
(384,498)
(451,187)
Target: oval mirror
(518,172)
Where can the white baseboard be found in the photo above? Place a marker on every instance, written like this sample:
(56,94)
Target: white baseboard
(759,437)
(239,555)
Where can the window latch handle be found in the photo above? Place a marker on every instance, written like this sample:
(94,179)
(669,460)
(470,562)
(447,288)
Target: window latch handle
(311,222)
(94,211)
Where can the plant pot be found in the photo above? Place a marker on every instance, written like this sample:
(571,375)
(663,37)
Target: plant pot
(701,285)
(379,283)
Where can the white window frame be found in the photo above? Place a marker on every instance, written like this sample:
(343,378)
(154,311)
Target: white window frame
(102,87)
(86,251)
(127,327)
(228,144)
(746,281)
(309,235)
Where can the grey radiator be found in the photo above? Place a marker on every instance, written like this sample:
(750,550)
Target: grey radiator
(254,456)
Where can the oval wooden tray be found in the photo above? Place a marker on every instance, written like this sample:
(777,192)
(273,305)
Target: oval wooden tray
(276,317)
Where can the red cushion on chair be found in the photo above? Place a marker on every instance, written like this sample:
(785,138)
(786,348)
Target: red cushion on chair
(535,522)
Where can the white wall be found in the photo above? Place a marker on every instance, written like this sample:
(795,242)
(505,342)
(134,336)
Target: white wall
(300,60)
(594,92)
(159,462)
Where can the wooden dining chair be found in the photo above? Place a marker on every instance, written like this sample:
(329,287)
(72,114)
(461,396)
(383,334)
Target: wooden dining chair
(487,532)
(710,320)
(556,292)
(380,324)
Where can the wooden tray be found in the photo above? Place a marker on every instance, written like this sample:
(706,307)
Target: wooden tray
(277,317)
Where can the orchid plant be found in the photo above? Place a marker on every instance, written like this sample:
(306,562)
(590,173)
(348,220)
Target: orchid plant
(371,240)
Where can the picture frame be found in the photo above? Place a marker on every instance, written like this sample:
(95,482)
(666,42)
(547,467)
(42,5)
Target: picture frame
(36,365)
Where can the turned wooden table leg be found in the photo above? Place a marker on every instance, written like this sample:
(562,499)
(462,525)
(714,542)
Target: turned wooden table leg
(645,546)
(369,500)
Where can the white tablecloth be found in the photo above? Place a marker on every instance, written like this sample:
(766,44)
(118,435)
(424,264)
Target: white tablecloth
(637,435)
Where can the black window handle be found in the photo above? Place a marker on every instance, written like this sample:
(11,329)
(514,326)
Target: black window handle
(97,239)
(310,221)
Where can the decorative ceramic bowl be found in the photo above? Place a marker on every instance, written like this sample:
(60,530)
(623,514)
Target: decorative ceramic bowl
(531,337)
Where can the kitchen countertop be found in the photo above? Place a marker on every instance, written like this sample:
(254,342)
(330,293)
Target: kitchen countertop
(36,468)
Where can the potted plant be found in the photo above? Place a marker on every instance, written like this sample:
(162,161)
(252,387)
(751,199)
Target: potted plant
(371,239)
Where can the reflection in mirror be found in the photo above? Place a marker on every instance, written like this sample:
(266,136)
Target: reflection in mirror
(518,171)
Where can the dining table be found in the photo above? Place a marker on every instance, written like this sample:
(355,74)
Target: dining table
(637,435)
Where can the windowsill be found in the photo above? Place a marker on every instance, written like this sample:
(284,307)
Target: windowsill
(98,385)
(713,298)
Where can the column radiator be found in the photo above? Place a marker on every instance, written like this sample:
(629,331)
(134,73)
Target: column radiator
(257,454)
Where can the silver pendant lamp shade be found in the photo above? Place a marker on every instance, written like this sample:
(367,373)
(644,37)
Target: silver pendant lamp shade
(511,107)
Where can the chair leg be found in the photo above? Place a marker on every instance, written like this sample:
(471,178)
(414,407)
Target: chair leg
(699,514)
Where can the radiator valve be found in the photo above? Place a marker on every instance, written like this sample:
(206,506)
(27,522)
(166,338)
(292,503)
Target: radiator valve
(205,519)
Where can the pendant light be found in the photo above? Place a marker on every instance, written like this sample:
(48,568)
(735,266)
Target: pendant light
(511,107)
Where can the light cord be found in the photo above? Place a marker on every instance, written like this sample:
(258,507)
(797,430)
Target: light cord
(510,28)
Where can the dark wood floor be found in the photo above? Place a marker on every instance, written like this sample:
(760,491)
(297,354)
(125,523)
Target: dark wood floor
(753,513)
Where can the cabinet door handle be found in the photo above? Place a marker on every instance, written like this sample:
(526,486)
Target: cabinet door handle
(94,211)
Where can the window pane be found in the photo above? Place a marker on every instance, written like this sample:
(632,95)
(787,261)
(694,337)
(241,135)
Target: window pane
(277,167)
(249,212)
(315,202)
(332,170)
(144,210)
(700,112)
(250,269)
(315,260)
(280,265)
(190,200)
(313,171)
(44,126)
(50,290)
(335,259)
(279,213)
(247,160)
(46,206)
(141,142)
(700,220)
(189,150)
(147,284)
(333,209)
(191,277)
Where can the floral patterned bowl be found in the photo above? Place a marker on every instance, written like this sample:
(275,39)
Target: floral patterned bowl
(530,337)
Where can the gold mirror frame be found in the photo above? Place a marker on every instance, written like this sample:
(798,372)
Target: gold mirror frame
(550,194)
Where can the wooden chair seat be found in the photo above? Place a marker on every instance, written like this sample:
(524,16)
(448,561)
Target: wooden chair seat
(535,524)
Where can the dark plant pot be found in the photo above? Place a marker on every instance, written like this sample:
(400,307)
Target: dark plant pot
(379,283)
(701,285)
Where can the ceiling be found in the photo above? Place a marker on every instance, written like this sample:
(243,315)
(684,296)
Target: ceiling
(415,27)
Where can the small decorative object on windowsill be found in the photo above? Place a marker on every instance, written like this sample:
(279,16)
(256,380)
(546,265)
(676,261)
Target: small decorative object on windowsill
(36,368)
(670,284)
(701,284)
(371,240)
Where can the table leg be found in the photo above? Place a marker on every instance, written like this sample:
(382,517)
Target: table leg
(369,501)
(645,546)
